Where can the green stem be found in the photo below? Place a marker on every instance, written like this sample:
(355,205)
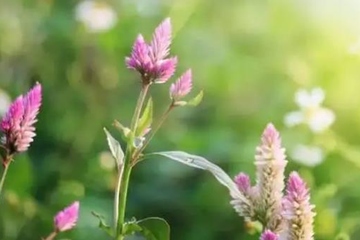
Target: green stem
(117,195)
(51,236)
(154,130)
(123,179)
(123,198)
(6,167)
(139,105)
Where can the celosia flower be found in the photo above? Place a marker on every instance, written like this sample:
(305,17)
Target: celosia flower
(307,155)
(150,60)
(97,16)
(67,218)
(269,235)
(297,210)
(311,112)
(182,86)
(18,123)
(270,165)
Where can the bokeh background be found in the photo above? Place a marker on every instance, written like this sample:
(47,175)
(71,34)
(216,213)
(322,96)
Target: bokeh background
(249,57)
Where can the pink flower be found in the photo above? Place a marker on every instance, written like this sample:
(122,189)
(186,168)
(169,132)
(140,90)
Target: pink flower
(18,123)
(151,60)
(242,181)
(182,86)
(269,235)
(297,210)
(67,218)
(270,166)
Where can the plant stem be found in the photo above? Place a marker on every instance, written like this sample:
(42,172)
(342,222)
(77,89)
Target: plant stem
(117,195)
(155,129)
(123,198)
(51,236)
(139,105)
(124,177)
(6,167)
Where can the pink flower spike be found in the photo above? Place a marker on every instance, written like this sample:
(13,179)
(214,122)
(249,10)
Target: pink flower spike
(160,44)
(165,70)
(139,59)
(270,161)
(242,181)
(297,210)
(67,218)
(269,235)
(182,86)
(18,123)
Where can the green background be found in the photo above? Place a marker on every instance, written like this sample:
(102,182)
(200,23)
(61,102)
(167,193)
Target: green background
(249,57)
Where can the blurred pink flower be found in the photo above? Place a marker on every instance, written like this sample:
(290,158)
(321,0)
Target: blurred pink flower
(270,166)
(18,123)
(269,235)
(151,60)
(297,210)
(182,86)
(67,218)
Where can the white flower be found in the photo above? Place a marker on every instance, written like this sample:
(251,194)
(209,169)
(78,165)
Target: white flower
(307,155)
(5,102)
(311,112)
(95,15)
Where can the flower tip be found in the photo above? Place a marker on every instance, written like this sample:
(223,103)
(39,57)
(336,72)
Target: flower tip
(242,181)
(269,235)
(67,218)
(270,135)
(182,86)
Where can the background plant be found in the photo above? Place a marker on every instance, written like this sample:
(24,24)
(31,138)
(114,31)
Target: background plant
(250,57)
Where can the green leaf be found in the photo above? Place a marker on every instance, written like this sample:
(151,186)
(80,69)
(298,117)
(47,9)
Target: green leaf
(145,119)
(102,224)
(202,163)
(115,149)
(196,100)
(154,228)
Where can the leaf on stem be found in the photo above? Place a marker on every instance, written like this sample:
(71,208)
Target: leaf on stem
(196,100)
(115,149)
(202,163)
(102,224)
(145,119)
(152,228)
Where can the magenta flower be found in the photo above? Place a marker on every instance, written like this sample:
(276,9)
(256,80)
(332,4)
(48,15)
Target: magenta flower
(297,210)
(150,60)
(270,166)
(242,181)
(269,235)
(18,123)
(67,218)
(182,86)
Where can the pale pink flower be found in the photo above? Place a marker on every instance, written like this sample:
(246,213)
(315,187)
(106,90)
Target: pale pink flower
(269,235)
(244,208)
(150,60)
(182,86)
(297,210)
(270,166)
(67,218)
(18,123)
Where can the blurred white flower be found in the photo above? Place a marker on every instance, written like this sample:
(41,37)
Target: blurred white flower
(354,48)
(307,155)
(5,102)
(311,112)
(97,16)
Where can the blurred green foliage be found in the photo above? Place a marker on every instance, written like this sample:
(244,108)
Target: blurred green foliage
(249,57)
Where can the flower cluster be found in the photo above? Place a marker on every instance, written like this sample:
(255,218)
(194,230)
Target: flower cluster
(17,125)
(288,217)
(153,63)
